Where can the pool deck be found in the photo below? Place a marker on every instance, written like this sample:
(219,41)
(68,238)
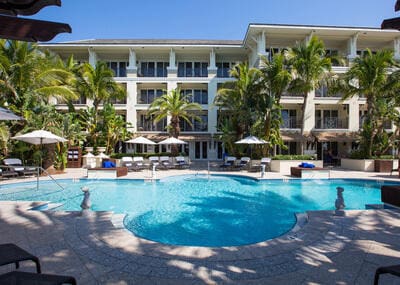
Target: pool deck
(328,249)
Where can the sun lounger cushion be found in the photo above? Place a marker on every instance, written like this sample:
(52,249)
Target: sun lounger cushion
(108,164)
(306,165)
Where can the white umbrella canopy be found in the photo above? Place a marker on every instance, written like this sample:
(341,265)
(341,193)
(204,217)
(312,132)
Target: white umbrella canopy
(40,137)
(7,115)
(251,140)
(172,140)
(141,140)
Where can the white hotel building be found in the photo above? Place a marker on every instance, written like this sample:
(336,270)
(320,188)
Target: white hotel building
(199,67)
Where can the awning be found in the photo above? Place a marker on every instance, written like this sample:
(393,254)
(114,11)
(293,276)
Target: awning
(393,23)
(336,137)
(30,30)
(293,137)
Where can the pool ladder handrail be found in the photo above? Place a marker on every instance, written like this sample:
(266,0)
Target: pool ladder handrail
(48,175)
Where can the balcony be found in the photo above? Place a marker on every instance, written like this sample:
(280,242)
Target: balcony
(291,123)
(331,123)
(150,127)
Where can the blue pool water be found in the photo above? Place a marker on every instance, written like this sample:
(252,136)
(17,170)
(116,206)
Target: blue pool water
(195,210)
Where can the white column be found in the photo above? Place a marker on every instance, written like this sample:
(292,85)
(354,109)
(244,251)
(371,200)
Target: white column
(212,110)
(309,112)
(92,57)
(261,44)
(131,101)
(396,48)
(132,68)
(354,113)
(352,47)
(172,69)
(212,68)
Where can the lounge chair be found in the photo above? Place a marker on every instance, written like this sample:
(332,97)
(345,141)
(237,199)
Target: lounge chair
(393,269)
(165,162)
(243,163)
(5,173)
(29,278)
(229,163)
(181,163)
(258,167)
(11,253)
(15,164)
(154,160)
(139,162)
(128,162)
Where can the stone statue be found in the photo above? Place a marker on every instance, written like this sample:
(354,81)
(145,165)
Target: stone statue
(86,198)
(339,203)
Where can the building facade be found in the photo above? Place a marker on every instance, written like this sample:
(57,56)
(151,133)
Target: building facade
(199,67)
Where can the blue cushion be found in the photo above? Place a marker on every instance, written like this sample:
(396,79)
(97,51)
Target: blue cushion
(108,164)
(306,165)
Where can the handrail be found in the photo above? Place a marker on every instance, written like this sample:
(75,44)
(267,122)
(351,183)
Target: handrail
(48,175)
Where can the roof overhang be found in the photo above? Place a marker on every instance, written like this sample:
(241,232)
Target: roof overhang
(336,136)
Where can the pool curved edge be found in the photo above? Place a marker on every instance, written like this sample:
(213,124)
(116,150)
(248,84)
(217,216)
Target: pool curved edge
(117,220)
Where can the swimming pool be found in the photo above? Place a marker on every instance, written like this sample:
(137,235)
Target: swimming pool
(200,210)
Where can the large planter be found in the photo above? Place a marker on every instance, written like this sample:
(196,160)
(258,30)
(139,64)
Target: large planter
(283,166)
(383,165)
(358,164)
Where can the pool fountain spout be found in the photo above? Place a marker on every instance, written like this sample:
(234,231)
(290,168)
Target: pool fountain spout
(339,203)
(86,204)
(262,170)
(153,172)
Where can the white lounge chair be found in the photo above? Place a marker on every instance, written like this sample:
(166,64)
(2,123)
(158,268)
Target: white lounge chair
(154,160)
(180,162)
(165,162)
(138,161)
(15,164)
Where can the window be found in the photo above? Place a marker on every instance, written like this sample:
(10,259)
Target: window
(162,69)
(192,69)
(223,68)
(197,126)
(153,69)
(328,119)
(147,96)
(118,67)
(146,123)
(199,96)
(289,120)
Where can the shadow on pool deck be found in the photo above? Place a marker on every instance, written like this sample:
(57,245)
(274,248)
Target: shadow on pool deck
(328,250)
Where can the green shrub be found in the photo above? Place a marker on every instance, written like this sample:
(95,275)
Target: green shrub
(293,157)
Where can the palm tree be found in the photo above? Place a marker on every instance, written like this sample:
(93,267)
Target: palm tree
(369,76)
(275,80)
(238,98)
(175,105)
(310,67)
(97,83)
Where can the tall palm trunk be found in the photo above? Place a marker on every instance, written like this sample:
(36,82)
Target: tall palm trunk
(175,132)
(303,121)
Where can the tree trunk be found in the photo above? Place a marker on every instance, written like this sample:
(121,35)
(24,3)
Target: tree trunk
(303,118)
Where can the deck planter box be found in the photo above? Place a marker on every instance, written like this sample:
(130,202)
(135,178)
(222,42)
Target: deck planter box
(283,166)
(358,164)
(383,165)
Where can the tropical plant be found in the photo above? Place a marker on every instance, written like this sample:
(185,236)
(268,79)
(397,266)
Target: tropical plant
(115,128)
(310,67)
(275,80)
(175,105)
(369,76)
(237,101)
(98,84)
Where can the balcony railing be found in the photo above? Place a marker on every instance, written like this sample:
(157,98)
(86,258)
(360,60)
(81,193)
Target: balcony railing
(331,123)
(291,123)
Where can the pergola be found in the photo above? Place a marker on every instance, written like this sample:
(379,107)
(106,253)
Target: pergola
(13,27)
(393,23)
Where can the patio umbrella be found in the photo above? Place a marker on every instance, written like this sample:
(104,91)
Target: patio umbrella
(250,140)
(141,140)
(40,137)
(172,140)
(7,115)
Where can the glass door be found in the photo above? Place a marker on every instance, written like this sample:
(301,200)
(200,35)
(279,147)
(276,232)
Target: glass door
(201,150)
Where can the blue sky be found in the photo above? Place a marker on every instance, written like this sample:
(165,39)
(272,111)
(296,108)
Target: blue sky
(205,19)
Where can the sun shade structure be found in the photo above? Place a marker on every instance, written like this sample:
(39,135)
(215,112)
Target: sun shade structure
(172,140)
(251,140)
(12,27)
(7,115)
(40,137)
(141,140)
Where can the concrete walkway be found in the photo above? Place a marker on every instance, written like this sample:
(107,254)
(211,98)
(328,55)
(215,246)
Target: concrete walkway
(328,249)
